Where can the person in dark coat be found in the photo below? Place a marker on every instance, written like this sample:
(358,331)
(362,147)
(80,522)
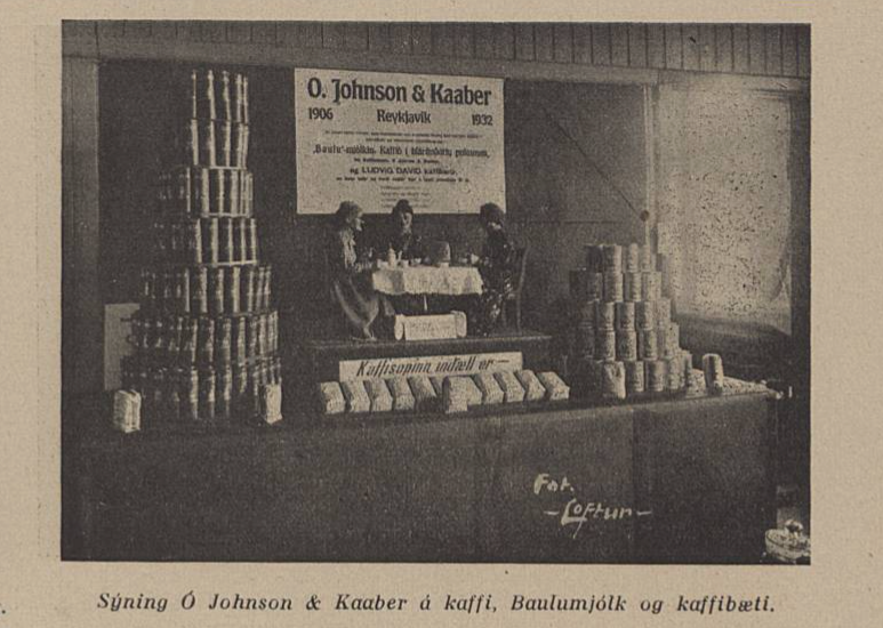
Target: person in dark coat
(498,268)
(350,275)
(400,236)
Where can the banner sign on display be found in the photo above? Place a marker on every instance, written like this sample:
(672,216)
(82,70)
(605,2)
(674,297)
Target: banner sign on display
(466,364)
(375,138)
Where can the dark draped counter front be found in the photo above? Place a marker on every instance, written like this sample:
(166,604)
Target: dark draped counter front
(687,480)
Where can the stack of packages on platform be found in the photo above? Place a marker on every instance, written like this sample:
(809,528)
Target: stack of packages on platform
(625,343)
(449,394)
(206,335)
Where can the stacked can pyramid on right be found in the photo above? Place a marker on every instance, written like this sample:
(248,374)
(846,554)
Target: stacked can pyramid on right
(625,343)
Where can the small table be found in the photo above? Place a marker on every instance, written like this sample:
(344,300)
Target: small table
(423,280)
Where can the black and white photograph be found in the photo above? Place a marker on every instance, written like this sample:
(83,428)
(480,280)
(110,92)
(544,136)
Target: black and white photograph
(435,292)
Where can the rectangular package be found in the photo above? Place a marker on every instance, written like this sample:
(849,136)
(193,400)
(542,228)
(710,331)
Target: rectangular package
(127,411)
(459,394)
(402,398)
(533,388)
(378,393)
(331,399)
(491,393)
(356,396)
(556,389)
(512,390)
(424,394)
(438,384)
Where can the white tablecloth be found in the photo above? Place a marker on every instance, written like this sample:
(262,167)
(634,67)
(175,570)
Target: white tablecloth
(454,280)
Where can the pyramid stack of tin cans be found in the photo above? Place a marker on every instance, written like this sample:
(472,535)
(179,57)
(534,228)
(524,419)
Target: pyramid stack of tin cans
(206,334)
(625,343)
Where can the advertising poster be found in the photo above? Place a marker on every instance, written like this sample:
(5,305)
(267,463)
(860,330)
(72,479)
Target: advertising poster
(375,138)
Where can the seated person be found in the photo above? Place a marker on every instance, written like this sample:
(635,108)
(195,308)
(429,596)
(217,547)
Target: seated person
(350,275)
(400,236)
(498,268)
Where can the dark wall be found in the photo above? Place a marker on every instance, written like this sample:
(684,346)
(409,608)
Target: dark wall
(575,173)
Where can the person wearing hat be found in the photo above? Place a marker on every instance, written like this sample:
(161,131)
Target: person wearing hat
(498,267)
(350,275)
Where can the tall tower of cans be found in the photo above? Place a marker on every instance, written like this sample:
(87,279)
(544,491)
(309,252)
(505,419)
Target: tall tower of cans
(624,341)
(206,334)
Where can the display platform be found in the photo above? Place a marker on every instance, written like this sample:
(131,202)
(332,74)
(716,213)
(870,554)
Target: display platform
(687,480)
(324,356)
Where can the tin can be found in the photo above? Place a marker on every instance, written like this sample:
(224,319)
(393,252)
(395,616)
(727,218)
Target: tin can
(184,200)
(206,348)
(225,240)
(245,107)
(210,111)
(238,139)
(674,374)
(251,242)
(648,345)
(268,287)
(217,185)
(148,289)
(202,187)
(634,378)
(240,385)
(605,316)
(632,286)
(194,242)
(584,313)
(625,316)
(240,340)
(655,378)
(627,345)
(192,143)
(605,345)
(259,287)
(247,300)
(232,289)
(226,142)
(160,340)
(249,179)
(253,331)
(208,144)
(224,394)
(239,237)
(584,342)
(176,332)
(224,340)
(594,258)
(160,397)
(237,98)
(211,244)
(263,344)
(277,371)
(199,291)
(207,395)
(713,368)
(648,258)
(233,191)
(687,365)
(611,255)
(613,287)
(216,291)
(182,290)
(225,95)
(652,286)
(645,315)
(274,331)
(190,410)
(663,311)
(149,339)
(672,345)
(245,139)
(632,255)
(189,341)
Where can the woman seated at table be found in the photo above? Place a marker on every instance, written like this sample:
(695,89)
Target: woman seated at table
(498,267)
(400,236)
(351,275)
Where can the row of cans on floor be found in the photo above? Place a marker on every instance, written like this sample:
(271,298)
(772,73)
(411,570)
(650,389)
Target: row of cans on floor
(619,379)
(206,241)
(223,341)
(171,395)
(194,191)
(202,290)
(608,316)
(615,286)
(218,95)
(627,344)
(615,258)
